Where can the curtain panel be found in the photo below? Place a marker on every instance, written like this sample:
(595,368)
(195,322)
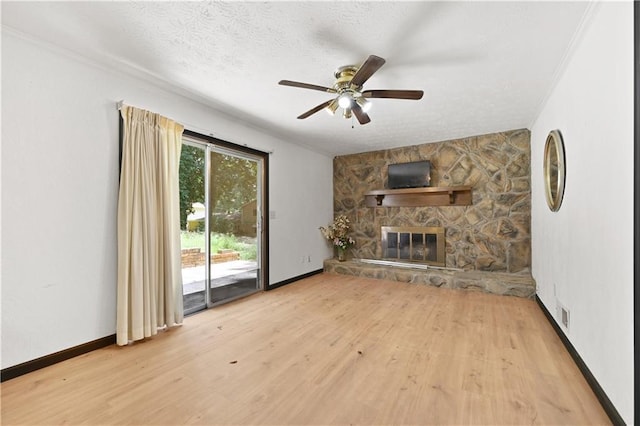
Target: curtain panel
(149,288)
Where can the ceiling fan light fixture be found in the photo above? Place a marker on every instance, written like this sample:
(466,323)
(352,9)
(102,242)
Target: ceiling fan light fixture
(345,100)
(332,107)
(347,113)
(364,103)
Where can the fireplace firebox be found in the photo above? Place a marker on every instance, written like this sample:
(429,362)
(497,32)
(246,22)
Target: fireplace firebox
(414,244)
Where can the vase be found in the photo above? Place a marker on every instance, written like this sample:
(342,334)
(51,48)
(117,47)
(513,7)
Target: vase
(342,254)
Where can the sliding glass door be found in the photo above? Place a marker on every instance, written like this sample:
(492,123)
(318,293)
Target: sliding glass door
(234,224)
(221,198)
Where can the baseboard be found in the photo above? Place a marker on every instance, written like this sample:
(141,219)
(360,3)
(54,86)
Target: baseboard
(294,279)
(606,403)
(47,360)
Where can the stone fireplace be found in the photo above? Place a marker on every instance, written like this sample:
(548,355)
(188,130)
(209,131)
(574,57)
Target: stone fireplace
(414,244)
(491,234)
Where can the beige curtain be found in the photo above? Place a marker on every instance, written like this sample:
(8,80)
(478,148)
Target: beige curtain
(149,270)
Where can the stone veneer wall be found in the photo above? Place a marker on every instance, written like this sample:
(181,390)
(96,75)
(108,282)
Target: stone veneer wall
(492,234)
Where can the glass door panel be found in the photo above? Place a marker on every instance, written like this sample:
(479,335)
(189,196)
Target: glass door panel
(192,226)
(234,225)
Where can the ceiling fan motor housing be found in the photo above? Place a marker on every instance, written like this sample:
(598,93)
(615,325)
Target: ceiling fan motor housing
(344,76)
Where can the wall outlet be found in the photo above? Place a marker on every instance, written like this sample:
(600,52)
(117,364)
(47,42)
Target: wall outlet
(308,258)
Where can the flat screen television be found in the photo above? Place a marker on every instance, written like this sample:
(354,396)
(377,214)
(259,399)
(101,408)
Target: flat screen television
(409,175)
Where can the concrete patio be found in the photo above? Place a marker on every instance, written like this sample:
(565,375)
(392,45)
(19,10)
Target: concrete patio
(193,279)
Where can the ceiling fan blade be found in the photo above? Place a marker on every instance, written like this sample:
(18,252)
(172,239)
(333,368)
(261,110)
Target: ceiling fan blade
(314,110)
(362,116)
(371,65)
(306,86)
(394,94)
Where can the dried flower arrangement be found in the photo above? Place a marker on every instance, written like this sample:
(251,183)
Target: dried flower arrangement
(337,234)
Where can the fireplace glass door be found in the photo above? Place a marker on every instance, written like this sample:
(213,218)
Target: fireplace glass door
(414,244)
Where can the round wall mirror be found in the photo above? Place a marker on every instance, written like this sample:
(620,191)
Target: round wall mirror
(554,170)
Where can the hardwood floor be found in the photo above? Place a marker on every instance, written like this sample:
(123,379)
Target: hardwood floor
(329,349)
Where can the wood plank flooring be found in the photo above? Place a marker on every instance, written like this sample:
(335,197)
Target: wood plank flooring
(329,349)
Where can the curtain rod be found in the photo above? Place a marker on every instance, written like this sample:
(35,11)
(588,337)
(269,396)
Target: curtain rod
(198,129)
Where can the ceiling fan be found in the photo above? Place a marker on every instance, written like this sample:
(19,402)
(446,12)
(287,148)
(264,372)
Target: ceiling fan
(348,87)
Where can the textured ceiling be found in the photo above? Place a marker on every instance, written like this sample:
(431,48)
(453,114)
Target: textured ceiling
(484,66)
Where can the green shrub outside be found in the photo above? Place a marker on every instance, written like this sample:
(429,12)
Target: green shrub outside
(245,246)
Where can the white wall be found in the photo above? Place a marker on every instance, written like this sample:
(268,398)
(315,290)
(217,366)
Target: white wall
(583,255)
(59,191)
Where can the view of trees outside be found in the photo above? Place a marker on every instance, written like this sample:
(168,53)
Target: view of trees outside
(233,189)
(234,185)
(191,181)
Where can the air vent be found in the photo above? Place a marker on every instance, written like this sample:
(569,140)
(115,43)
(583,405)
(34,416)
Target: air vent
(564,316)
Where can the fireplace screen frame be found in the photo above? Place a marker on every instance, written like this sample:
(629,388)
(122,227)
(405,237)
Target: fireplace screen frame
(405,235)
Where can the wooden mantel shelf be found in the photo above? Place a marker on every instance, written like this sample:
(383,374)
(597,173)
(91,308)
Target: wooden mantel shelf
(416,197)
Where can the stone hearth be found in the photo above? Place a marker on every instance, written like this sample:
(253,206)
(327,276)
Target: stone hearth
(520,285)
